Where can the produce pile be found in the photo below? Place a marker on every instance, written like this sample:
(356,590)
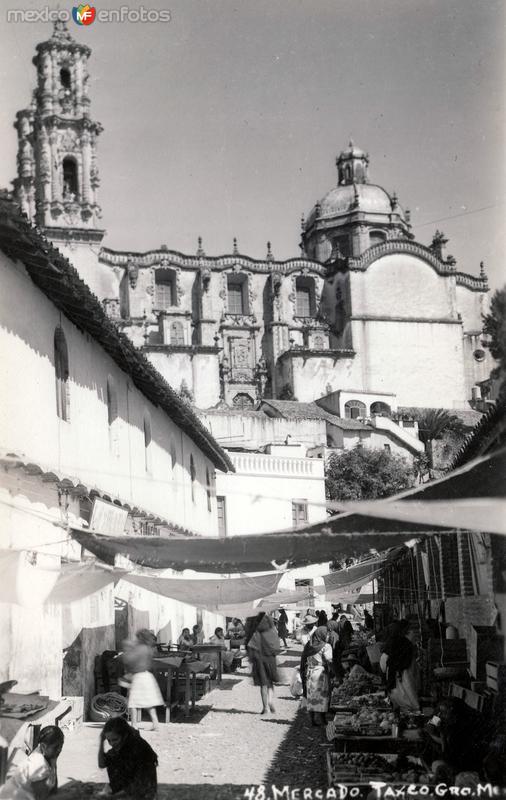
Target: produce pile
(369,722)
(353,767)
(351,688)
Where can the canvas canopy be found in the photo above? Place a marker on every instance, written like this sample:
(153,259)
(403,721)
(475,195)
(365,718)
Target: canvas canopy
(210,594)
(340,536)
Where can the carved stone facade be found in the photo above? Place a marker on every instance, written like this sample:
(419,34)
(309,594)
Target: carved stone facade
(364,308)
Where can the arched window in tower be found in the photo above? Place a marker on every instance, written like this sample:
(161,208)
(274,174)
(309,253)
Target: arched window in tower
(377,237)
(165,289)
(176,333)
(65,78)
(305,303)
(354,409)
(147,441)
(61,369)
(380,409)
(70,181)
(193,479)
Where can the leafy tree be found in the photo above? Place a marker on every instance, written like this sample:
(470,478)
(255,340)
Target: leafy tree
(494,324)
(366,474)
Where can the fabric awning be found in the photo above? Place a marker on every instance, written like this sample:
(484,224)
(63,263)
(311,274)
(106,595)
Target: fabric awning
(341,536)
(22,581)
(76,581)
(210,594)
(250,553)
(487,514)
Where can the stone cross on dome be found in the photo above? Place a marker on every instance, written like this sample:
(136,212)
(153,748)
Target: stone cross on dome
(352,166)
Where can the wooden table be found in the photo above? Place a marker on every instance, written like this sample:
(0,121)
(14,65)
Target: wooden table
(172,667)
(198,649)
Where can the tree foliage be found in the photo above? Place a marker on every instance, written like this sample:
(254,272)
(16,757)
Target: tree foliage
(494,324)
(366,474)
(433,423)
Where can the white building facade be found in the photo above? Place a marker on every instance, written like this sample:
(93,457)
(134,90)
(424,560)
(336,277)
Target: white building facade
(84,416)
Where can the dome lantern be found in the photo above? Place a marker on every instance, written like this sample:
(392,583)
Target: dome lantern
(352,166)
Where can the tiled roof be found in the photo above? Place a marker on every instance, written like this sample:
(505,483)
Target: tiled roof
(60,282)
(292,409)
(487,437)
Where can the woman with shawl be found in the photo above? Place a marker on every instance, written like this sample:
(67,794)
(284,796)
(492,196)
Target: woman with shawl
(262,642)
(398,662)
(130,762)
(315,666)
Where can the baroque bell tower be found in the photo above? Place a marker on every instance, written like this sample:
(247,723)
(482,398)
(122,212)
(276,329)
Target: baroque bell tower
(57,179)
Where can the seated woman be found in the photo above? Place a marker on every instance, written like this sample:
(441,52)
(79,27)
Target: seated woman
(185,641)
(235,629)
(227,657)
(130,763)
(35,778)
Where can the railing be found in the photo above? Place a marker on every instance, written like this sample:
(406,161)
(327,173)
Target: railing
(276,465)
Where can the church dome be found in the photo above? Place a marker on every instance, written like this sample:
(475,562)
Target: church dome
(360,196)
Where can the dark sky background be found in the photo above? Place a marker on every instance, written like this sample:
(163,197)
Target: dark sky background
(226,121)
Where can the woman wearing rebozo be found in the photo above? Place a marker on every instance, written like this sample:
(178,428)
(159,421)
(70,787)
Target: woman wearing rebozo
(263,647)
(315,671)
(398,661)
(144,690)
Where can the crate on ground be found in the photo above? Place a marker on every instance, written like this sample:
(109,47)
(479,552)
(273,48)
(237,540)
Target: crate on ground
(496,676)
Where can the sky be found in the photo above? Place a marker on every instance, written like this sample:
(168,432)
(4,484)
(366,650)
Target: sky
(226,120)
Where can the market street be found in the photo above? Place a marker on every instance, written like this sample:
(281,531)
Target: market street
(224,748)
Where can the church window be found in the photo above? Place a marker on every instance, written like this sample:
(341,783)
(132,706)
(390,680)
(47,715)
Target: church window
(381,409)
(304,297)
(354,409)
(342,246)
(70,182)
(147,442)
(243,400)
(176,333)
(65,77)
(237,294)
(61,368)
(165,289)
(377,237)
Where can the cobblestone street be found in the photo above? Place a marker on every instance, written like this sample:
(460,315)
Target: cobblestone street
(223,749)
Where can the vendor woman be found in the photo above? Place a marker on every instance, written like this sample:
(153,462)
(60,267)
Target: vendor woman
(316,671)
(398,662)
